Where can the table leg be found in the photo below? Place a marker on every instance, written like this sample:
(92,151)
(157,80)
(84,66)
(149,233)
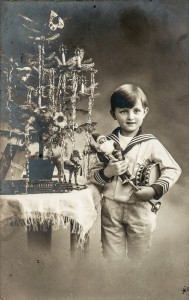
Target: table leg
(42,239)
(75,250)
(39,238)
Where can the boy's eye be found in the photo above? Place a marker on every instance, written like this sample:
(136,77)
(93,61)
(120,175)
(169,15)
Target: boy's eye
(137,111)
(123,111)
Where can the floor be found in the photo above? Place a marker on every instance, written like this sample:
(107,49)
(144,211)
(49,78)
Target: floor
(37,273)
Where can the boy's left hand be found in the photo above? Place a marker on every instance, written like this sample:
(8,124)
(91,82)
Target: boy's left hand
(145,193)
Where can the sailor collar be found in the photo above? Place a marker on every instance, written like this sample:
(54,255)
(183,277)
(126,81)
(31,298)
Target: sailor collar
(137,139)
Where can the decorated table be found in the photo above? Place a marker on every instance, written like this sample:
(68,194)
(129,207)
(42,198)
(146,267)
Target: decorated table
(39,211)
(47,125)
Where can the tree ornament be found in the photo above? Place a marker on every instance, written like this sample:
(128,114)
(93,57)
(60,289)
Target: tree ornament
(79,56)
(63,50)
(54,84)
(29,95)
(52,92)
(60,120)
(55,21)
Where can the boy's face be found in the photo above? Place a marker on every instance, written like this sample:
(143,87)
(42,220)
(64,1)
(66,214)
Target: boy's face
(130,119)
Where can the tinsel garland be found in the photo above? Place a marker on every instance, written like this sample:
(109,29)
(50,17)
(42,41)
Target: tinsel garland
(40,75)
(27,155)
(9,82)
(52,95)
(53,85)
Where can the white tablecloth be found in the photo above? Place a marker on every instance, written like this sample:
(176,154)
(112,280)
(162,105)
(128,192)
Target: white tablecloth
(56,208)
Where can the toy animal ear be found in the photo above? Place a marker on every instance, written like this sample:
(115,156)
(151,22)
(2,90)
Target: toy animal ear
(113,114)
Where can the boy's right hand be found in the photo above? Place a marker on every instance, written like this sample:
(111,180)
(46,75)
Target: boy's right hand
(115,168)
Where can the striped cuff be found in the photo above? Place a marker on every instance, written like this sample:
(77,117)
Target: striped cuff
(161,187)
(101,178)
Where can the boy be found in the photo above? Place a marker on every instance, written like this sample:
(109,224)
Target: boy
(127,221)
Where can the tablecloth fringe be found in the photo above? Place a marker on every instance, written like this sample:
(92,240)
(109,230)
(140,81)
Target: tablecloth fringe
(41,221)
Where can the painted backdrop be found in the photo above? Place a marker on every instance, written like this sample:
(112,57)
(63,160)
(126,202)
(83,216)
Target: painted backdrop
(140,42)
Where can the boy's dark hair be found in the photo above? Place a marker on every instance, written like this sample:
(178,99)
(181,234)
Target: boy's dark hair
(126,95)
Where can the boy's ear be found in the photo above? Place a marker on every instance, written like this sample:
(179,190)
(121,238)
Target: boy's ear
(146,111)
(113,114)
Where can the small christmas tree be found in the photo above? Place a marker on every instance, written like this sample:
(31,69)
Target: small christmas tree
(50,85)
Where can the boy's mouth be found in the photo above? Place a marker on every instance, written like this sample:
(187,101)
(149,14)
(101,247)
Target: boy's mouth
(130,123)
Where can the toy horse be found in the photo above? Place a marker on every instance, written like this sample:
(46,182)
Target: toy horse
(72,165)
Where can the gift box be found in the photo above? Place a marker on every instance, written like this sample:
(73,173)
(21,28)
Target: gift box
(41,169)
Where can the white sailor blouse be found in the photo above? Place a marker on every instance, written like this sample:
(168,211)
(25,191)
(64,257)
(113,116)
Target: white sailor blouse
(142,148)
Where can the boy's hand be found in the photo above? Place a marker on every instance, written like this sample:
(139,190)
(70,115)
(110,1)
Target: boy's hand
(145,193)
(115,168)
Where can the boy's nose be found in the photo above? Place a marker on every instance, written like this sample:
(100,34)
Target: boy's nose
(130,115)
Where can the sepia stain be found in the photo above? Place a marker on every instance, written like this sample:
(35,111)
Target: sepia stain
(181,38)
(136,25)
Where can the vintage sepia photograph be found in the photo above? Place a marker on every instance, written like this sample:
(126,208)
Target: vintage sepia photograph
(94,150)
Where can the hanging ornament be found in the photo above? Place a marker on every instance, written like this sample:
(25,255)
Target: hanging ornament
(9,83)
(83,85)
(59,92)
(79,56)
(9,106)
(78,52)
(29,95)
(90,108)
(60,120)
(73,97)
(63,50)
(27,153)
(52,92)
(55,21)
(40,75)
(62,175)
(64,83)
(11,157)
(72,137)
(41,53)
(87,143)
(91,97)
(42,61)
